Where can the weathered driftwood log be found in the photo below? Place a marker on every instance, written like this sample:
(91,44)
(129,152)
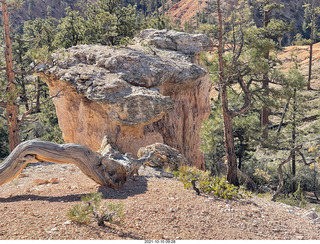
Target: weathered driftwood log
(108,168)
(104,170)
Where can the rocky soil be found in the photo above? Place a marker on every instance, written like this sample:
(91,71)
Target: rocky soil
(35,206)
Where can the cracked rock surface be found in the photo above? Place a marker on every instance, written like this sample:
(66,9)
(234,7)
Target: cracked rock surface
(149,92)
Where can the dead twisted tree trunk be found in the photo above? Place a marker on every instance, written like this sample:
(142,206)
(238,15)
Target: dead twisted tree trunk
(280,172)
(108,167)
(105,170)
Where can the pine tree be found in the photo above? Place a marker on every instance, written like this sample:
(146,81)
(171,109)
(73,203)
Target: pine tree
(231,69)
(107,22)
(20,53)
(10,102)
(71,30)
(267,7)
(312,12)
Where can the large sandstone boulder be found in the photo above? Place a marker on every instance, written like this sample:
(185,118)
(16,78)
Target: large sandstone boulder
(146,93)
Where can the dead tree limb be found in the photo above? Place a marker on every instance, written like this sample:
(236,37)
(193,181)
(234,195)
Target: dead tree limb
(305,119)
(283,115)
(109,169)
(102,169)
(281,180)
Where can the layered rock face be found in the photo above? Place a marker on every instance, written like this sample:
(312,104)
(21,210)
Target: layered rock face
(146,93)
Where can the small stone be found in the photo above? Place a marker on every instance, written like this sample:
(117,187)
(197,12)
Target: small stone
(255,223)
(68,222)
(317,220)
(23,175)
(312,214)
(54,181)
(120,234)
(40,182)
(300,237)
(166,175)
(290,211)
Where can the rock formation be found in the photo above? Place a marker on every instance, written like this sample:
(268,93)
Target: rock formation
(149,92)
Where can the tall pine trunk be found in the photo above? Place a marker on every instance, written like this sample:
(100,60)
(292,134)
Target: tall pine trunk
(227,117)
(311,53)
(265,87)
(12,107)
(293,160)
(232,168)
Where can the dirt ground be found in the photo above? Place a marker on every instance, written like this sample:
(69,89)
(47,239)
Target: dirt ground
(35,206)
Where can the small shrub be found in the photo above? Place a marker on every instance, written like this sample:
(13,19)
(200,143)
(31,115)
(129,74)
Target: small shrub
(297,199)
(202,181)
(80,213)
(90,209)
(262,176)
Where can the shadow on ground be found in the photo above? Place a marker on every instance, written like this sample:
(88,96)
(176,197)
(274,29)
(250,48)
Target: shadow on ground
(111,230)
(133,186)
(32,197)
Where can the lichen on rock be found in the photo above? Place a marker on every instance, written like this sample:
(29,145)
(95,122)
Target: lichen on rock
(149,92)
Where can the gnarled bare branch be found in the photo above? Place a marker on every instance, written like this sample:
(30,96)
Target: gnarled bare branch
(281,180)
(110,169)
(103,170)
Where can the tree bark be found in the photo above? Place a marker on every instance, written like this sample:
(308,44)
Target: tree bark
(311,53)
(265,86)
(265,110)
(227,115)
(38,87)
(283,116)
(11,107)
(232,168)
(293,161)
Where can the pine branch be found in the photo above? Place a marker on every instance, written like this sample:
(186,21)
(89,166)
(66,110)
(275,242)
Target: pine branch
(22,72)
(21,40)
(16,6)
(34,108)
(247,98)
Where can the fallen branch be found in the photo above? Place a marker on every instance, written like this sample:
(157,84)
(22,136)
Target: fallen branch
(106,169)
(305,119)
(103,170)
